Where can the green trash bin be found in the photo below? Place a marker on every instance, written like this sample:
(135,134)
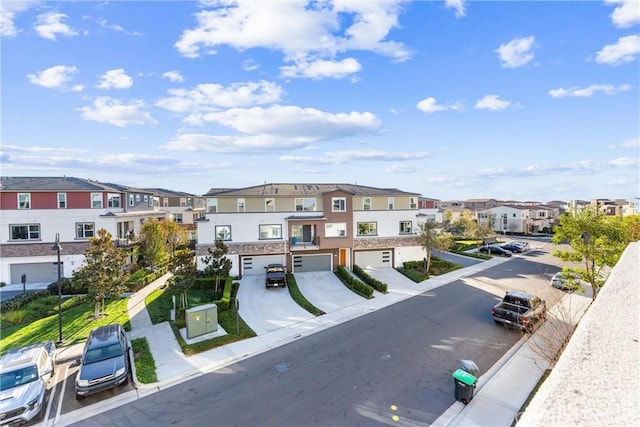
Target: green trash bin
(465,384)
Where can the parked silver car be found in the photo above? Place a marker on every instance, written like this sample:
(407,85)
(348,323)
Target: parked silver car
(24,373)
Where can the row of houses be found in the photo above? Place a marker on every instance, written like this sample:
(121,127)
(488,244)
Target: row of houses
(307,227)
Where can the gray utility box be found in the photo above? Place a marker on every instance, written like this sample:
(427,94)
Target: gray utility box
(201,320)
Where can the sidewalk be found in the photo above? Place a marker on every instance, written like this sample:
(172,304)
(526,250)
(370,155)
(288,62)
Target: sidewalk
(499,395)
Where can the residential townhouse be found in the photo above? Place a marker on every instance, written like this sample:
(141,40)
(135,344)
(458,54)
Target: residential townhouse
(35,211)
(429,210)
(311,227)
(520,219)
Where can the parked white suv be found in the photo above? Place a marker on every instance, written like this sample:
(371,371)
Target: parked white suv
(24,373)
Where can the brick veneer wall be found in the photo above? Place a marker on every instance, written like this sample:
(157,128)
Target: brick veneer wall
(42,249)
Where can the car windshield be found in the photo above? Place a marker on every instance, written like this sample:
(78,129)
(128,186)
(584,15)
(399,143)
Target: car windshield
(18,377)
(99,354)
(275,270)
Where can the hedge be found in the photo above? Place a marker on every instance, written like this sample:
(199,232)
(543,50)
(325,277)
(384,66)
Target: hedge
(352,282)
(374,283)
(224,302)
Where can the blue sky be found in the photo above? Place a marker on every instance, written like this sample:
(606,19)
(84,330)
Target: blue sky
(450,99)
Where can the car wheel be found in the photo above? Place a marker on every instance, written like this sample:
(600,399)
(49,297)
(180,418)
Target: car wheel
(79,397)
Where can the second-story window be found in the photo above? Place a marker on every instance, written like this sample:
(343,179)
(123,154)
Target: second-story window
(240,205)
(367,228)
(131,200)
(84,230)
(391,203)
(113,200)
(366,203)
(336,229)
(338,204)
(212,205)
(24,200)
(165,202)
(270,231)
(405,227)
(25,231)
(62,200)
(269,205)
(183,202)
(305,204)
(223,232)
(96,200)
(177,218)
(413,203)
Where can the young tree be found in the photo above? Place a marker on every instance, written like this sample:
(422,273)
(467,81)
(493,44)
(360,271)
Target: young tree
(153,243)
(176,235)
(597,241)
(434,238)
(103,272)
(217,264)
(184,274)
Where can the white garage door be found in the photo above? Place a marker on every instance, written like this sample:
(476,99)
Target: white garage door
(374,259)
(41,272)
(305,263)
(252,265)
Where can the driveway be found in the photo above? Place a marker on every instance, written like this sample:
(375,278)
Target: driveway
(396,282)
(266,310)
(325,291)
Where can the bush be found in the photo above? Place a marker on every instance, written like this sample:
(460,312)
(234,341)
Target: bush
(19,301)
(374,283)
(353,283)
(224,302)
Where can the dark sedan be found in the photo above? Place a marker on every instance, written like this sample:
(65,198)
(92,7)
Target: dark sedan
(512,247)
(494,250)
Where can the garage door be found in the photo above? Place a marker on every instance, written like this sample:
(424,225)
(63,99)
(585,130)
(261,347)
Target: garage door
(374,259)
(42,272)
(252,265)
(304,263)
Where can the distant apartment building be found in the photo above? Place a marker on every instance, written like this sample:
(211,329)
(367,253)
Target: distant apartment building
(311,227)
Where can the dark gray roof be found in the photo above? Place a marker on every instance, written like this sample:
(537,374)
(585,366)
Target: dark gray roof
(50,183)
(288,189)
(163,192)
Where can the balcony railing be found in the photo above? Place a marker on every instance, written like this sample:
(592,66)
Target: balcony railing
(297,245)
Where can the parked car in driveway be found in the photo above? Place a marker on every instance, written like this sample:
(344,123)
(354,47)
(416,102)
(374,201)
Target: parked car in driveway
(276,275)
(512,247)
(494,250)
(24,373)
(105,361)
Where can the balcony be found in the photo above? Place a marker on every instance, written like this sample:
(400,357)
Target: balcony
(305,245)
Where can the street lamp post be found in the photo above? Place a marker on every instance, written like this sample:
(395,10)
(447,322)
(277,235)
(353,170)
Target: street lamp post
(56,247)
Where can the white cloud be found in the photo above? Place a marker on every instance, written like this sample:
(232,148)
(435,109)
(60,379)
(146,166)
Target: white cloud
(114,112)
(624,161)
(321,69)
(302,124)
(8,12)
(626,14)
(115,79)
(53,77)
(632,143)
(458,5)
(517,52)
(210,97)
(305,32)
(492,102)
(174,76)
(589,91)
(249,65)
(395,168)
(50,25)
(115,27)
(624,51)
(229,144)
(430,105)
(376,155)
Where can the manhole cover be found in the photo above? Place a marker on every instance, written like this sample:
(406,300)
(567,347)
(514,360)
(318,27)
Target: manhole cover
(282,367)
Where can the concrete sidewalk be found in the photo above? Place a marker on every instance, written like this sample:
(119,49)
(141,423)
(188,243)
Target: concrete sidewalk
(499,395)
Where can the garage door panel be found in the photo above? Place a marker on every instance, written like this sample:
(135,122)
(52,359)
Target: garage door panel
(305,263)
(40,272)
(254,265)
(373,259)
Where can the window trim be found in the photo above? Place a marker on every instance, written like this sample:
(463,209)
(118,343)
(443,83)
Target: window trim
(62,204)
(342,231)
(93,200)
(84,236)
(366,203)
(270,204)
(111,197)
(276,226)
(410,227)
(375,228)
(216,232)
(242,205)
(302,204)
(391,203)
(340,201)
(27,202)
(29,232)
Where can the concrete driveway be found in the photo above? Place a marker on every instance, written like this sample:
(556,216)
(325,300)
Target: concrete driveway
(266,310)
(396,282)
(325,291)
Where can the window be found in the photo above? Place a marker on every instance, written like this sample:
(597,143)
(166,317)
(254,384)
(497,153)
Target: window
(113,200)
(338,204)
(240,205)
(270,231)
(165,202)
(367,228)
(25,232)
(405,227)
(131,201)
(24,200)
(366,204)
(62,200)
(177,218)
(413,203)
(183,202)
(269,205)
(338,229)
(84,230)
(390,202)
(96,200)
(223,232)
(146,198)
(306,205)
(542,214)
(212,205)
(153,201)
(137,198)
(482,215)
